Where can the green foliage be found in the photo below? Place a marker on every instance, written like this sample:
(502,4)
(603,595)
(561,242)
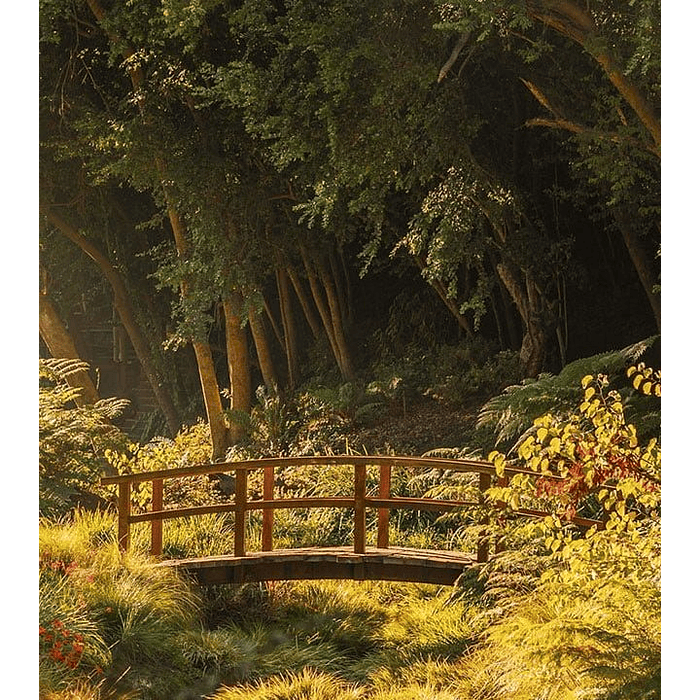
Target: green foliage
(590,626)
(512,412)
(72,439)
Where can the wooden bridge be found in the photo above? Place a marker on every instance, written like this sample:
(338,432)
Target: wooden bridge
(359,562)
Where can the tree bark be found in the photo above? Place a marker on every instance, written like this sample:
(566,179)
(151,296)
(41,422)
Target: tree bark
(450,303)
(61,345)
(238,361)
(309,314)
(336,315)
(330,316)
(530,306)
(641,262)
(578,24)
(124,309)
(287,313)
(262,347)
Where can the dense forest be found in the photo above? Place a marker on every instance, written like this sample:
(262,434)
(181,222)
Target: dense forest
(283,227)
(256,193)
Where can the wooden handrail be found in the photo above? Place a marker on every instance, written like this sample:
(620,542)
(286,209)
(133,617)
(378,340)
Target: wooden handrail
(359,501)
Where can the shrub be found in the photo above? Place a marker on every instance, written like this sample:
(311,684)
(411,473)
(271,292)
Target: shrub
(72,439)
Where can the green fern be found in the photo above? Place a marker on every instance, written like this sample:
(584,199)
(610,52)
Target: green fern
(509,414)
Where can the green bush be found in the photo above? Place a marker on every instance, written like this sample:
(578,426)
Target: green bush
(72,440)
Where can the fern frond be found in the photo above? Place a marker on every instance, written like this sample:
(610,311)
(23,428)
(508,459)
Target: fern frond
(58,369)
(509,414)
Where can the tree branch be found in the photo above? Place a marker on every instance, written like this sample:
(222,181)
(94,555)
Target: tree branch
(461,43)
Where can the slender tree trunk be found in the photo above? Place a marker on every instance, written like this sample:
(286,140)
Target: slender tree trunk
(641,262)
(126,315)
(238,361)
(202,350)
(262,348)
(205,364)
(317,294)
(450,303)
(279,335)
(287,313)
(336,314)
(328,309)
(306,306)
(212,400)
(61,345)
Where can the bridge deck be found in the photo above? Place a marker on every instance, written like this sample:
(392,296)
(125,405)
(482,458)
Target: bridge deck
(395,564)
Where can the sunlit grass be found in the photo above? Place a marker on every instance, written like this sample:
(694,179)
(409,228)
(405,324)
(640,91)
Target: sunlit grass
(307,684)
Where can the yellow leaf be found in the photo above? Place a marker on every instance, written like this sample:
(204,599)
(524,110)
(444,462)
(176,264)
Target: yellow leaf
(542,434)
(555,444)
(588,395)
(637,381)
(586,380)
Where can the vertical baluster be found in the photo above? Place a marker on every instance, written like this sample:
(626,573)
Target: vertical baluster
(383,513)
(268,515)
(157,525)
(124,513)
(482,549)
(241,504)
(503,482)
(360,485)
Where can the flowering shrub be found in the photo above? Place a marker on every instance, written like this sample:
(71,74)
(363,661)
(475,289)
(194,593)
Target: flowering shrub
(61,644)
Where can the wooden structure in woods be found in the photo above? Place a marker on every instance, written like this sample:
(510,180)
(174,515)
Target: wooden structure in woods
(361,561)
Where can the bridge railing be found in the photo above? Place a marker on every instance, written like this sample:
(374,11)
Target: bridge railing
(359,501)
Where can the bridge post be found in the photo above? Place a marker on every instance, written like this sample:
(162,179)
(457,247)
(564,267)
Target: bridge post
(383,513)
(124,512)
(360,486)
(157,525)
(268,515)
(482,547)
(240,512)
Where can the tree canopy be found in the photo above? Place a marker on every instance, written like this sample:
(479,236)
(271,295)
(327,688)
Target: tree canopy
(257,182)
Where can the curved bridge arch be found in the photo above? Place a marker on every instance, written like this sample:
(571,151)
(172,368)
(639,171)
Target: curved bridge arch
(359,562)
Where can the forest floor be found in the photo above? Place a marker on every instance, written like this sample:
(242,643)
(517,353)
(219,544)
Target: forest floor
(420,427)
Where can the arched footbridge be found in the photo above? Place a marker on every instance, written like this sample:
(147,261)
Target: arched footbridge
(361,561)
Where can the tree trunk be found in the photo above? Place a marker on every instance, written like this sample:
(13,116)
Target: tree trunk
(305,304)
(573,21)
(202,350)
(346,368)
(262,348)
(212,401)
(323,312)
(329,311)
(61,345)
(238,361)
(530,306)
(287,313)
(641,262)
(205,364)
(450,303)
(124,309)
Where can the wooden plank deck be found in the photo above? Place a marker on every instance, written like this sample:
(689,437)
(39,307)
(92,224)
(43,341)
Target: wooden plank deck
(395,564)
